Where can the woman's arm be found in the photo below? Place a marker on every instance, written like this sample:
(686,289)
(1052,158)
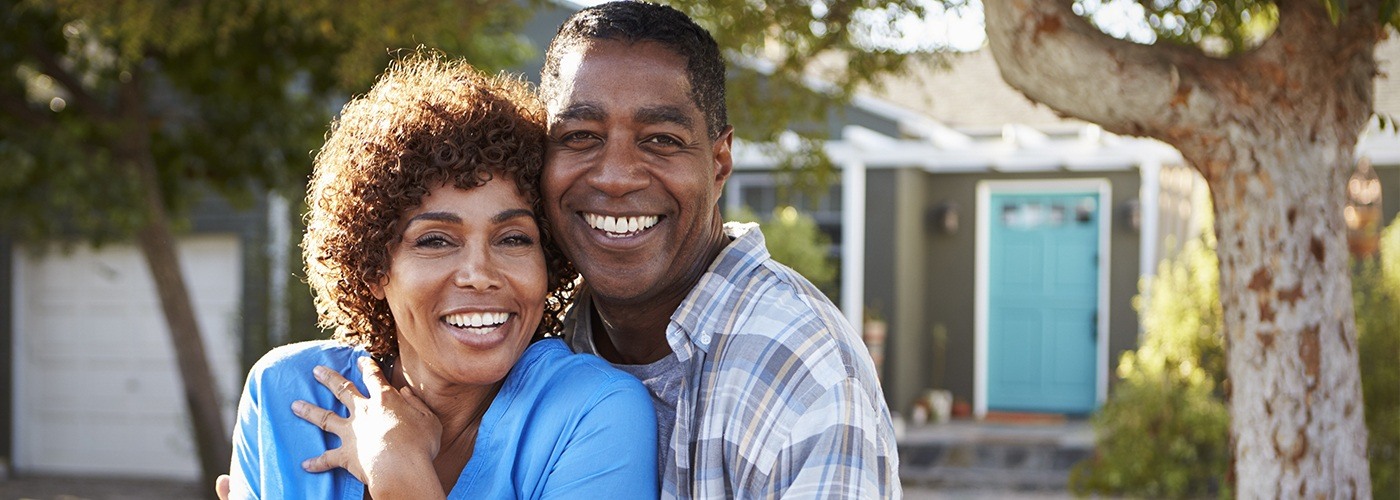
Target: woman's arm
(389,440)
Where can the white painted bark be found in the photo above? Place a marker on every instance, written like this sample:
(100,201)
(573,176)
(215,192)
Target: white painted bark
(1272,131)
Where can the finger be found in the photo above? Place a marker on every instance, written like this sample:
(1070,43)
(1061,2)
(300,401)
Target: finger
(375,382)
(221,486)
(413,401)
(344,390)
(320,417)
(331,459)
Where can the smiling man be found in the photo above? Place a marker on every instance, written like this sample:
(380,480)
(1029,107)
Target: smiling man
(761,387)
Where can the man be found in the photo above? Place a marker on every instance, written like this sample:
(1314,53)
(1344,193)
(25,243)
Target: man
(761,386)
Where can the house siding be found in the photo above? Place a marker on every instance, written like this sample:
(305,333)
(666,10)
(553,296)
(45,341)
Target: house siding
(919,277)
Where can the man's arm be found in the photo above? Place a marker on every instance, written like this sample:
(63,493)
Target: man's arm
(842,446)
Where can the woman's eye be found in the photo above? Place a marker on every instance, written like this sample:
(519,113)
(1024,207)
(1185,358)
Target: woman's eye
(518,240)
(431,241)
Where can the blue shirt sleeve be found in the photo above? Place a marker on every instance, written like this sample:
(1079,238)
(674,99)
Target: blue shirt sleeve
(612,453)
(270,442)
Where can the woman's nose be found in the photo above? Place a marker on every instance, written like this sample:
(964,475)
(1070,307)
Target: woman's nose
(475,270)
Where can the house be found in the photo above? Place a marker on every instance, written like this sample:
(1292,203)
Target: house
(91,385)
(959,204)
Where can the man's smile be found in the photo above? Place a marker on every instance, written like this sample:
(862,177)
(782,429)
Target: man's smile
(620,227)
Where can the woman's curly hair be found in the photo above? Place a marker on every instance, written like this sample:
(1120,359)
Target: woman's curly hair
(427,121)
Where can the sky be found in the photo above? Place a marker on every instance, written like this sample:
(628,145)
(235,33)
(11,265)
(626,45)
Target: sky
(961,28)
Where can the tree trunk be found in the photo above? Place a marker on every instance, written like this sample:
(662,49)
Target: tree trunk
(201,394)
(1272,131)
(1297,424)
(212,441)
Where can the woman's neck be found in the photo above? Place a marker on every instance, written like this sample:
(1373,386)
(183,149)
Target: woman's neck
(459,408)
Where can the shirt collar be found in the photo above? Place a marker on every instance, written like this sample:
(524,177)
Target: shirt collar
(706,312)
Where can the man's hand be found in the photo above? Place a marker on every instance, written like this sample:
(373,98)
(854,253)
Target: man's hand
(390,435)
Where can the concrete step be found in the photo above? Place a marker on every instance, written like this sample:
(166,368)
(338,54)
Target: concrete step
(966,454)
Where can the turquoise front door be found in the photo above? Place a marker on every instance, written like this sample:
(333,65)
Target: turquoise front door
(1042,302)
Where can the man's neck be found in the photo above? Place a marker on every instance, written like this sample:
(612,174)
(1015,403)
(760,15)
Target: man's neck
(635,333)
(637,342)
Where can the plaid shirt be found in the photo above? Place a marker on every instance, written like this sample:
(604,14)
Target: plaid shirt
(780,398)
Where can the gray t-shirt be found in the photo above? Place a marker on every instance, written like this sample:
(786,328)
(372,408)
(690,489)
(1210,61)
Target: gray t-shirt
(662,379)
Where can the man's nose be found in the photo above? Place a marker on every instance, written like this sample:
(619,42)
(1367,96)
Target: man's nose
(622,170)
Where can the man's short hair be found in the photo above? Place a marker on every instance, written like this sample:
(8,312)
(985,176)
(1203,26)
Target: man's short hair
(633,21)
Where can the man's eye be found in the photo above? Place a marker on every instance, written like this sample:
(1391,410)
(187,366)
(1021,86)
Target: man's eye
(664,141)
(578,139)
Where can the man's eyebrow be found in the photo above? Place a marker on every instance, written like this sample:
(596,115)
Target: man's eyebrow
(509,214)
(654,115)
(581,111)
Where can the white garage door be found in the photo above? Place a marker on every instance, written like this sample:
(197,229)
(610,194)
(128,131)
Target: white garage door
(97,390)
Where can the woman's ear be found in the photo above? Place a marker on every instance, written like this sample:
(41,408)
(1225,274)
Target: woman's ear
(376,288)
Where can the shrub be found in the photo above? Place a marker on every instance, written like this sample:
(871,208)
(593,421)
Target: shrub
(1376,288)
(795,240)
(1165,430)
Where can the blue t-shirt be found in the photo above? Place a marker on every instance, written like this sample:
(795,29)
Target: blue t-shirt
(562,425)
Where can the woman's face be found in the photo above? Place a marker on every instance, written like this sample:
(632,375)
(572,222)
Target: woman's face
(466,283)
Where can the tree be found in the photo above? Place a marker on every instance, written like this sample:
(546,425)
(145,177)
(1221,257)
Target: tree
(794,61)
(116,115)
(1270,119)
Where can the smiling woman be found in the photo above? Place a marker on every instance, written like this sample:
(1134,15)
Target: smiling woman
(428,256)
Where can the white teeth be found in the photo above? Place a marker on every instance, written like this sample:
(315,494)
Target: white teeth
(621,226)
(487,320)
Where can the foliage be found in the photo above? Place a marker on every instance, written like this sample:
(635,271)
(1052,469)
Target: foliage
(115,115)
(1377,295)
(1164,431)
(805,59)
(794,239)
(1220,27)
(224,95)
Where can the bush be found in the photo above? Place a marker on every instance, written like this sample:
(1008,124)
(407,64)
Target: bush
(1376,288)
(795,240)
(1164,432)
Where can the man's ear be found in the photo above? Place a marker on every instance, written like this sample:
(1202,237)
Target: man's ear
(724,156)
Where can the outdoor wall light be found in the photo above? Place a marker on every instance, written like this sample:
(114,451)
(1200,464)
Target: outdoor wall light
(942,218)
(1363,210)
(1130,213)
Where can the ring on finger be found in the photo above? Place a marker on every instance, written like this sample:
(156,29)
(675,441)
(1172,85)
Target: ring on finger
(347,385)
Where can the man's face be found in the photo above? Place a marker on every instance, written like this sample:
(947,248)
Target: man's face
(632,179)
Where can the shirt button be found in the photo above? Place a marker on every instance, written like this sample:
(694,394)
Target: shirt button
(705,338)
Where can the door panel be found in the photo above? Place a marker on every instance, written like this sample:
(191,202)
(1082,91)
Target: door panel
(1042,302)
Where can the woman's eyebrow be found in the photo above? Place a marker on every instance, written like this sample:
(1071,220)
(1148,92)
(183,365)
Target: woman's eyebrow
(435,217)
(506,215)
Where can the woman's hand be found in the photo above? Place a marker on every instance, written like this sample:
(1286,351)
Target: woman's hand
(389,439)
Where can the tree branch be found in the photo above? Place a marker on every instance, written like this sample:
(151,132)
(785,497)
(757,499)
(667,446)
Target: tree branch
(1059,59)
(17,107)
(49,64)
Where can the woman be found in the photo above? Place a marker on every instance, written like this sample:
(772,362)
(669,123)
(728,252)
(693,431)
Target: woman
(426,254)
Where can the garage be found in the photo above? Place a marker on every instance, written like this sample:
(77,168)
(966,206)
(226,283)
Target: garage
(96,388)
